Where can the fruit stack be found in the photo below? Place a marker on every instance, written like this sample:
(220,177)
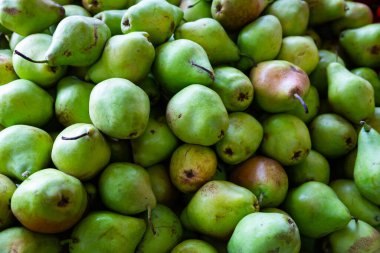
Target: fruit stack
(189,126)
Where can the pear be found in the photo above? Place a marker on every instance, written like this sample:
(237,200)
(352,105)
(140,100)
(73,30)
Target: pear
(194,246)
(371,76)
(7,188)
(126,188)
(223,205)
(151,88)
(339,144)
(24,102)
(196,106)
(24,150)
(261,39)
(265,232)
(7,72)
(265,177)
(106,231)
(119,108)
(154,145)
(348,94)
(178,59)
(279,85)
(20,239)
(121,150)
(14,39)
(242,139)
(40,73)
(119,58)
(323,11)
(14,13)
(349,164)
(165,233)
(112,18)
(313,103)
(49,201)
(234,88)
(363,41)
(367,164)
(292,14)
(158,18)
(211,35)
(315,167)
(195,9)
(286,139)
(71,104)
(316,209)
(357,235)
(359,207)
(71,10)
(96,6)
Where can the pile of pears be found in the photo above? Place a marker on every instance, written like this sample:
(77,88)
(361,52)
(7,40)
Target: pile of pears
(186,126)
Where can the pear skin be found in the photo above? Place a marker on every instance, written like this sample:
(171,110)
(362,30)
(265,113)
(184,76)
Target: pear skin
(371,76)
(7,72)
(7,188)
(194,245)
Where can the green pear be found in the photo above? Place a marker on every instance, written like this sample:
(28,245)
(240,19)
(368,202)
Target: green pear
(121,150)
(80,150)
(286,139)
(14,39)
(15,13)
(126,188)
(181,62)
(340,143)
(194,246)
(156,17)
(106,231)
(42,74)
(316,209)
(223,205)
(234,88)
(196,106)
(359,207)
(349,163)
(349,95)
(112,18)
(371,76)
(292,14)
(195,9)
(165,232)
(7,188)
(24,102)
(151,88)
(71,103)
(154,145)
(279,85)
(119,58)
(367,164)
(24,150)
(20,239)
(261,39)
(96,6)
(119,108)
(265,232)
(323,11)
(49,201)
(315,167)
(211,35)
(363,41)
(358,236)
(265,177)
(7,72)
(301,51)
(64,2)
(241,140)
(313,104)
(191,166)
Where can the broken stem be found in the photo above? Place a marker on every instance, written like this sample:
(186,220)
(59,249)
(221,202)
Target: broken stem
(299,98)
(27,58)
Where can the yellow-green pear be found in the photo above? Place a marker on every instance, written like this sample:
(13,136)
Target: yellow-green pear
(7,72)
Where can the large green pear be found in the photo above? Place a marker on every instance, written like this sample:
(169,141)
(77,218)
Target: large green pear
(126,188)
(349,95)
(211,35)
(316,209)
(24,150)
(24,102)
(217,207)
(106,231)
(35,46)
(7,188)
(29,16)
(181,62)
(80,150)
(265,232)
(119,108)
(197,115)
(49,201)
(367,164)
(128,56)
(7,72)
(21,240)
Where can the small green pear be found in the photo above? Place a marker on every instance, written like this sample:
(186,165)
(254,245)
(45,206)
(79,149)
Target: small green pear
(121,150)
(112,18)
(371,76)
(151,88)
(7,72)
(195,9)
(71,10)
(323,11)
(14,39)
(7,188)
(96,6)
(194,246)
(349,164)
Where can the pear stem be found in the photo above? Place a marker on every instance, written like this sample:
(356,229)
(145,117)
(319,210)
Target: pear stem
(192,5)
(75,137)
(150,222)
(366,127)
(209,72)
(27,58)
(299,98)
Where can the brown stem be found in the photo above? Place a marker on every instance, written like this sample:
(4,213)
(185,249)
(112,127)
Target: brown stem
(299,98)
(366,127)
(209,72)
(27,58)
(75,137)
(150,222)
(192,5)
